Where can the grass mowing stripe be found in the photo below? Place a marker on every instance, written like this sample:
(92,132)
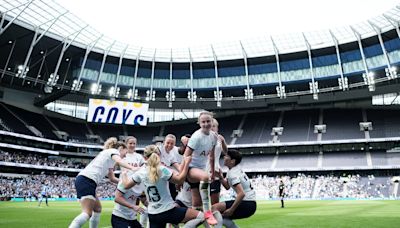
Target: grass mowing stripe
(297,213)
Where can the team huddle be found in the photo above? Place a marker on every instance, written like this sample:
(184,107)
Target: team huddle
(175,185)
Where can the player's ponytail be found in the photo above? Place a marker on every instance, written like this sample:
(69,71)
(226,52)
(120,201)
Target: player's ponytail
(110,143)
(153,162)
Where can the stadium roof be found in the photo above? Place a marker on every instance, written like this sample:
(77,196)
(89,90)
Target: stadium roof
(62,24)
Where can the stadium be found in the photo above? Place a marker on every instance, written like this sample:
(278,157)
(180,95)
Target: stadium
(318,111)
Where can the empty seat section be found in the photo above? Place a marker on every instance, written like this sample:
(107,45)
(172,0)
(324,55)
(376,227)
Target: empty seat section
(257,128)
(344,159)
(342,124)
(306,160)
(299,126)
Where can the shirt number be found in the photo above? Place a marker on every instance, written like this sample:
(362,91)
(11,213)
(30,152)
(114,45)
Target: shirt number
(154,195)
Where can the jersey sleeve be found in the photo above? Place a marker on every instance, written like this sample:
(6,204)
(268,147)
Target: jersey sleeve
(121,188)
(112,152)
(174,155)
(141,161)
(233,178)
(193,141)
(137,176)
(166,174)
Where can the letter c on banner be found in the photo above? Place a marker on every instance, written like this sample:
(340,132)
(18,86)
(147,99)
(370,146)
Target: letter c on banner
(138,118)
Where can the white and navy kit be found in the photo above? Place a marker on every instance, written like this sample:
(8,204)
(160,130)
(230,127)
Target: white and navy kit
(202,145)
(168,158)
(88,179)
(157,194)
(130,195)
(99,166)
(134,159)
(161,208)
(184,197)
(248,205)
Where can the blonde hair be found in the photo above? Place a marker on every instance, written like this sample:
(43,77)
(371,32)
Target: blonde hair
(113,143)
(153,162)
(215,122)
(110,143)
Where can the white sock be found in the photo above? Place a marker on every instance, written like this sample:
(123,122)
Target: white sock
(228,223)
(205,193)
(218,217)
(206,225)
(143,219)
(194,222)
(94,220)
(79,220)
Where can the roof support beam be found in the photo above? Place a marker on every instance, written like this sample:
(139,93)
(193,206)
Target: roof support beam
(3,15)
(340,67)
(358,36)
(314,84)
(280,87)
(248,91)
(102,67)
(36,39)
(66,45)
(191,94)
(89,48)
(8,59)
(134,90)
(119,71)
(217,92)
(379,33)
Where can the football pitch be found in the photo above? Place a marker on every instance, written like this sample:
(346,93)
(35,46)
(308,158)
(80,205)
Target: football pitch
(312,213)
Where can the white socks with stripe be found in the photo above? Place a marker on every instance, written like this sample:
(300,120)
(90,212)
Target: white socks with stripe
(79,220)
(94,220)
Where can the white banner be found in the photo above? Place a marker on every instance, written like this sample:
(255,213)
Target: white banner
(117,112)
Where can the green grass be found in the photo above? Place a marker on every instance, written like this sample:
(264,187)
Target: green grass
(351,213)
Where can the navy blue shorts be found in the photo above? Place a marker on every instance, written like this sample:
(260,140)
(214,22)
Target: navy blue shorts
(85,186)
(180,203)
(118,222)
(215,187)
(244,210)
(173,216)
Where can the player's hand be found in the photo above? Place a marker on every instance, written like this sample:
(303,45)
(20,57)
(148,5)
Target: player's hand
(138,209)
(227,213)
(220,174)
(221,138)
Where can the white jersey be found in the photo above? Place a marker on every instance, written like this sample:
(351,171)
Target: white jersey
(134,159)
(168,158)
(178,157)
(217,155)
(201,144)
(98,167)
(130,195)
(185,195)
(237,176)
(157,194)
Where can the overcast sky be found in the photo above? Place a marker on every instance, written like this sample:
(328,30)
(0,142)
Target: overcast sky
(187,23)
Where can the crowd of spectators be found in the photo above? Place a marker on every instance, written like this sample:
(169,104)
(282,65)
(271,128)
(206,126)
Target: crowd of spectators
(298,187)
(304,186)
(39,159)
(59,186)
